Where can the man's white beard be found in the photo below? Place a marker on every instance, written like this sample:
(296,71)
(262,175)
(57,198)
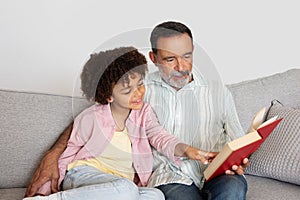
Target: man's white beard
(174,82)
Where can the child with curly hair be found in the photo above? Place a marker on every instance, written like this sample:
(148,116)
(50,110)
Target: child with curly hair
(109,154)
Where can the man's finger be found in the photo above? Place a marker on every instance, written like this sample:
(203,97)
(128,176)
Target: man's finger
(36,185)
(229,172)
(246,162)
(234,167)
(29,190)
(54,185)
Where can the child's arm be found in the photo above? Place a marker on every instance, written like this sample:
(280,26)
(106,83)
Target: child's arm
(184,150)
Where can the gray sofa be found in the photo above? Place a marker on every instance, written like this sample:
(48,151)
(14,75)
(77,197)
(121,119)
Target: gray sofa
(31,122)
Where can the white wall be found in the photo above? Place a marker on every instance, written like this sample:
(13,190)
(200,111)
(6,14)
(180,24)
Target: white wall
(44,43)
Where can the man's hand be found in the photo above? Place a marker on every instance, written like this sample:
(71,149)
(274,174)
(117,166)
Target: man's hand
(46,171)
(239,169)
(204,156)
(48,168)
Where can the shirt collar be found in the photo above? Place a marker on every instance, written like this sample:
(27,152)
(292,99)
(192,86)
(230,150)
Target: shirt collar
(107,112)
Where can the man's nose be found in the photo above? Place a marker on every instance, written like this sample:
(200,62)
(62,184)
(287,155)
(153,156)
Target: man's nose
(179,64)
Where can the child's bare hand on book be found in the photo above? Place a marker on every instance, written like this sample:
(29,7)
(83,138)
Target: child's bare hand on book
(184,150)
(239,169)
(196,154)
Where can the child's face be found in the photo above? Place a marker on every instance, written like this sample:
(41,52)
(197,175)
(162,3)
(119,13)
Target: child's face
(129,93)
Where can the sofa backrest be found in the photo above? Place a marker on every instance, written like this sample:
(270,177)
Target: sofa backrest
(29,124)
(250,96)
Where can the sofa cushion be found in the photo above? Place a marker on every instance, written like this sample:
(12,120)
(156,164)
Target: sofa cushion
(250,96)
(12,193)
(30,123)
(270,189)
(279,156)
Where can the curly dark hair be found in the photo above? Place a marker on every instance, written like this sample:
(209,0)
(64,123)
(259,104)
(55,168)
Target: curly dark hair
(168,29)
(104,69)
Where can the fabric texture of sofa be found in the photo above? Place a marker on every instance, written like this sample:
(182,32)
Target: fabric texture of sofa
(31,122)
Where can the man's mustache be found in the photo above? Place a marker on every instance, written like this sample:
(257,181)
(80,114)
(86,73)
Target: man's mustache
(180,73)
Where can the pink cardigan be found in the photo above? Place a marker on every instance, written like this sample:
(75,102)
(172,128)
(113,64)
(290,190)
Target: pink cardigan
(93,129)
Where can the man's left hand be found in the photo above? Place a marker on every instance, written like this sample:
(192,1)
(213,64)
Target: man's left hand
(239,169)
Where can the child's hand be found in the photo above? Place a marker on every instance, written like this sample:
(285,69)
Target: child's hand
(185,150)
(196,154)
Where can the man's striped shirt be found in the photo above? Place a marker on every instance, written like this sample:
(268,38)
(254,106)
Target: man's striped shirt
(202,114)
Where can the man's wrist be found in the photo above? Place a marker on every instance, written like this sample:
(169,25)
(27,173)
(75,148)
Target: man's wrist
(54,152)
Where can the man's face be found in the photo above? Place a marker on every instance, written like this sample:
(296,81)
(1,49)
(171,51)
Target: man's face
(174,59)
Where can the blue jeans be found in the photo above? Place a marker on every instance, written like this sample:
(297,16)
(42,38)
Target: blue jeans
(225,187)
(89,183)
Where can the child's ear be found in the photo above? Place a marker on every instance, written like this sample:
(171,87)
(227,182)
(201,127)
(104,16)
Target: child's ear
(110,99)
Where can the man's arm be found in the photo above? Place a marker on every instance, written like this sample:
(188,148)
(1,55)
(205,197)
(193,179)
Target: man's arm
(48,167)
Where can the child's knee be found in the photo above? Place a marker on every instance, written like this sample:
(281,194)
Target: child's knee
(151,194)
(157,194)
(130,189)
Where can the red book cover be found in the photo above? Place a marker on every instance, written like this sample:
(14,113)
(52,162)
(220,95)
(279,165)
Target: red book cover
(233,155)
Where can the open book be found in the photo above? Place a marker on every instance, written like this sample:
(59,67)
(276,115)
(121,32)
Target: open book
(235,151)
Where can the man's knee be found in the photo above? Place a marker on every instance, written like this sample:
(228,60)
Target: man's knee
(237,181)
(226,187)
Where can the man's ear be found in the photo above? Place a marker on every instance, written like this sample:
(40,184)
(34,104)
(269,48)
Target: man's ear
(110,100)
(152,57)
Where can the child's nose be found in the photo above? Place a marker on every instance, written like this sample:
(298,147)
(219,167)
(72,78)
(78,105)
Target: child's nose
(140,90)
